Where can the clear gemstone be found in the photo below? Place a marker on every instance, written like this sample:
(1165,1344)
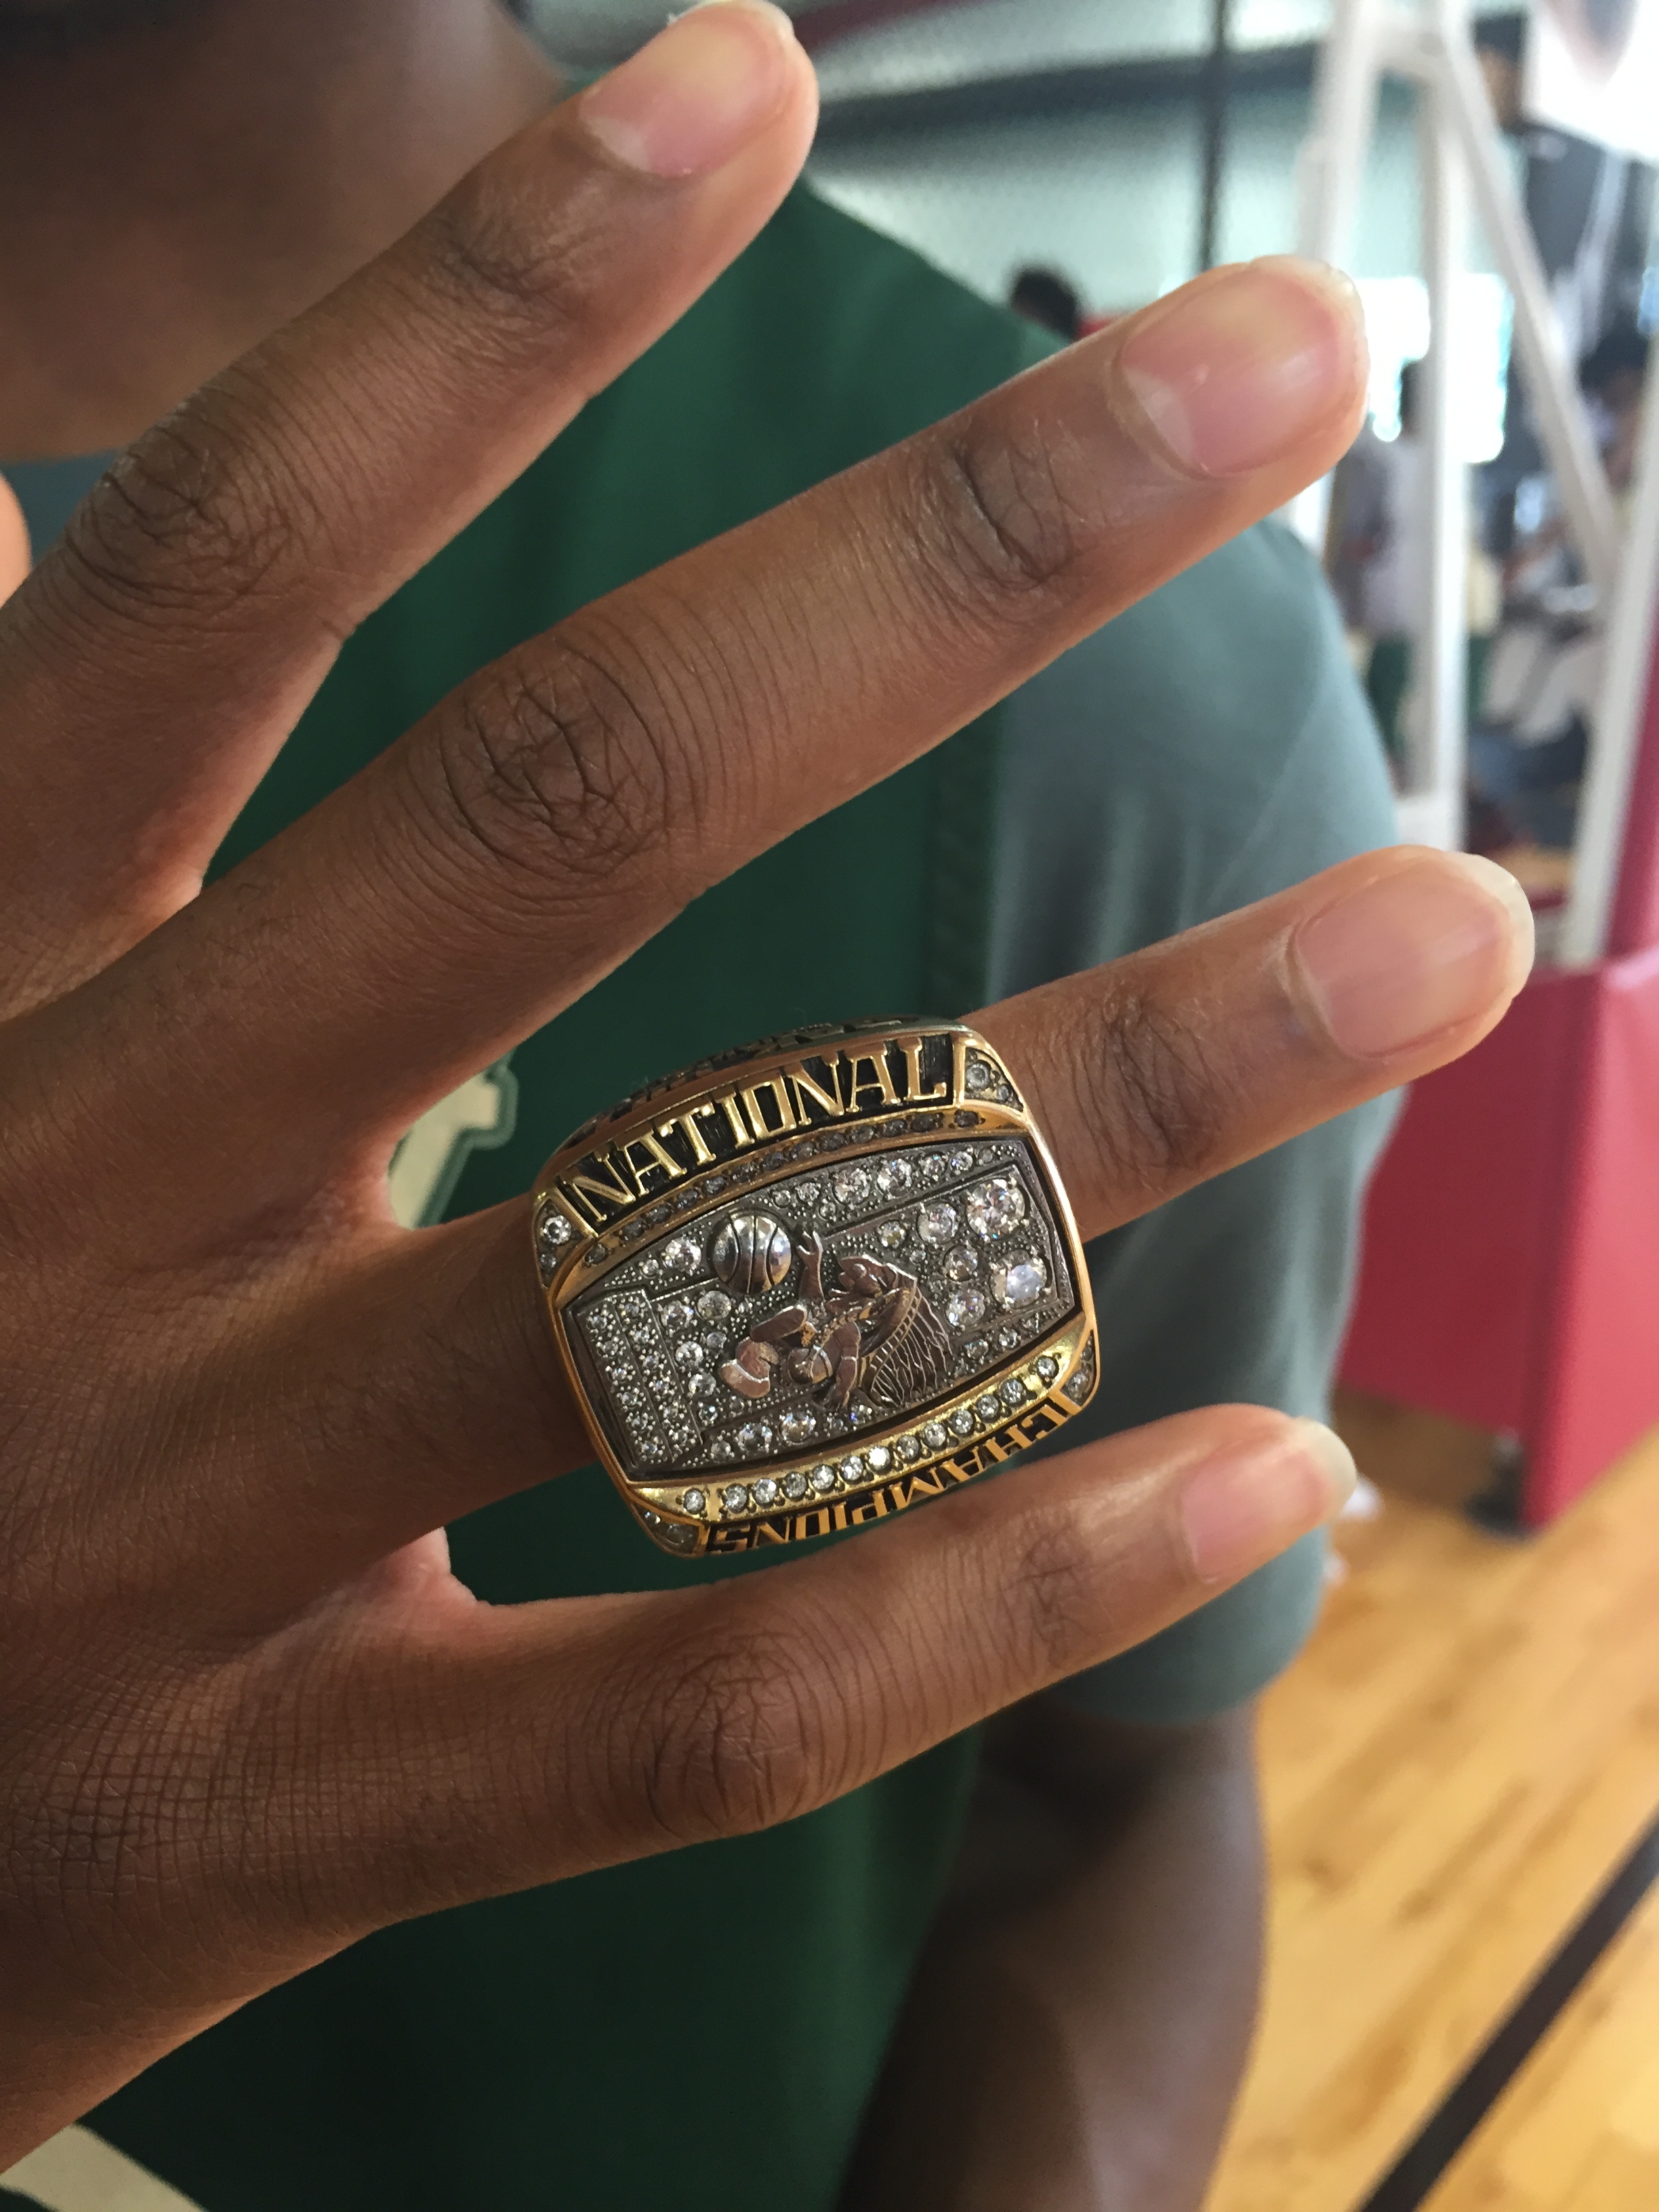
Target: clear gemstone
(733,1497)
(794,1483)
(987,1408)
(755,1438)
(878,1459)
(676,1316)
(908,1450)
(996,1206)
(683,1255)
(808,1196)
(712,1307)
(976,1350)
(1048,1368)
(964,1307)
(979,1076)
(766,1491)
(961,1162)
(891,1234)
(933,1167)
(798,1424)
(1013,1391)
(806,1150)
(823,1481)
(961,1421)
(693,1501)
(643,1336)
(933,1436)
(937,1224)
(850,1184)
(707,1413)
(703,1384)
(893,1175)
(656,1215)
(715,1185)
(1007,1338)
(859,1412)
(1019,1282)
(852,1469)
(689,1354)
(723,1447)
(713,1339)
(961,1264)
(554,1230)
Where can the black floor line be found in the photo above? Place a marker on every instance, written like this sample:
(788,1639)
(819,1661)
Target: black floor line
(1422,2162)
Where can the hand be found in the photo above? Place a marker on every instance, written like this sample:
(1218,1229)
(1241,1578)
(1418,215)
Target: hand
(13,541)
(249,1714)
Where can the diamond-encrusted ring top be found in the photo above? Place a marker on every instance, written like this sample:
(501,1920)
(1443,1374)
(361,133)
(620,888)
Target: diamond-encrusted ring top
(812,1283)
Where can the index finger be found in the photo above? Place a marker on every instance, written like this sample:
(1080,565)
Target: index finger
(169,643)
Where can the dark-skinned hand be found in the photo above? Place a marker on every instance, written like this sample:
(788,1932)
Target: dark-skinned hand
(248,1714)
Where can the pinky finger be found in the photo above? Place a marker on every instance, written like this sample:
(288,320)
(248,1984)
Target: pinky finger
(580,1734)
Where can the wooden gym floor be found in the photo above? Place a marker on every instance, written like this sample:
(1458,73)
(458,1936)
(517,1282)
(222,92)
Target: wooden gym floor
(1456,1771)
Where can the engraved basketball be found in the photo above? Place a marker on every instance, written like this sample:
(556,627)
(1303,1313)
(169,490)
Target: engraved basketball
(751,1253)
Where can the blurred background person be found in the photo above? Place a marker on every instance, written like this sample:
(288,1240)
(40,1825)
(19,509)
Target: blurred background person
(1047,299)
(1530,739)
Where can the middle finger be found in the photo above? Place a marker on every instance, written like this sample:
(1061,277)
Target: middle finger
(564,804)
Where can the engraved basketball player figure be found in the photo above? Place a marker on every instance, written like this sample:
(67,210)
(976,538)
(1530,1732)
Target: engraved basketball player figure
(876,1331)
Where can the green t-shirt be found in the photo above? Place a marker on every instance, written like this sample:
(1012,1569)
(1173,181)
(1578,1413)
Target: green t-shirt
(702,2030)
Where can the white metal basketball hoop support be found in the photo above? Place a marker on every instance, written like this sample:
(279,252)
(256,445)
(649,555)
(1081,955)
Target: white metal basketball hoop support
(1463,163)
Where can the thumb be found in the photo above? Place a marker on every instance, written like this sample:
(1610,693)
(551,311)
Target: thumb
(13,542)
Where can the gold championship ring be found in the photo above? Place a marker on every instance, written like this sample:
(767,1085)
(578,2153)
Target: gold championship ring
(810,1283)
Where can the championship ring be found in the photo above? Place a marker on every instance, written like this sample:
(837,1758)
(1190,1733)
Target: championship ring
(807,1283)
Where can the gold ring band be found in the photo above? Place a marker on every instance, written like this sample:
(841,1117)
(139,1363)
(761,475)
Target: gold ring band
(812,1282)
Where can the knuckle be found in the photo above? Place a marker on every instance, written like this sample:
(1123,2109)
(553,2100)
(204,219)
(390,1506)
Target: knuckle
(190,518)
(1051,1602)
(1157,1103)
(567,767)
(727,1738)
(492,251)
(998,517)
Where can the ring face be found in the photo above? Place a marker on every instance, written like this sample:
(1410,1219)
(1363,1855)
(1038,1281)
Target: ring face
(812,1283)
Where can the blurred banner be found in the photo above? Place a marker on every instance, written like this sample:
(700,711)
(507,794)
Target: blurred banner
(1593,69)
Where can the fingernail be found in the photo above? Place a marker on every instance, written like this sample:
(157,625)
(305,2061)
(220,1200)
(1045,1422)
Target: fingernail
(695,96)
(1241,1511)
(1413,952)
(1233,371)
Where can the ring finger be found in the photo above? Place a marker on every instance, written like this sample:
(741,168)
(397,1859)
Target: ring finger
(422,1383)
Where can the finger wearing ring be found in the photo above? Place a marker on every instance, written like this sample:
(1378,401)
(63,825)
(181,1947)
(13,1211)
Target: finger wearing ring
(810,1283)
